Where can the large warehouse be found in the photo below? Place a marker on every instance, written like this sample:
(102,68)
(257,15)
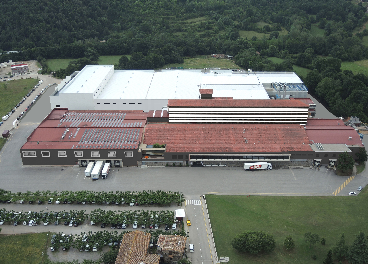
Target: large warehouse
(185,117)
(100,87)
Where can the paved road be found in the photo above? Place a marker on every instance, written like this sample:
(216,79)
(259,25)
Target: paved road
(193,182)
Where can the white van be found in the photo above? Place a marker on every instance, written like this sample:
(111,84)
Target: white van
(5,117)
(191,248)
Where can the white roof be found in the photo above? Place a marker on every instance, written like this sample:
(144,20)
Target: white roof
(281,77)
(88,79)
(179,213)
(173,84)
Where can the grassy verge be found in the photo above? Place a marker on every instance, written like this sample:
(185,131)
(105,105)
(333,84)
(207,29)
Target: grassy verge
(275,59)
(202,62)
(12,92)
(316,31)
(24,248)
(250,34)
(329,217)
(360,168)
(2,142)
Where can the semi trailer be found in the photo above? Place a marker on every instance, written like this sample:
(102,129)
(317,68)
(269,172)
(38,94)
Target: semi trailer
(258,166)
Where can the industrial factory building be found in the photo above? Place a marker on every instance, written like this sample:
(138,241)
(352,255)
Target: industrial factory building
(185,118)
(100,87)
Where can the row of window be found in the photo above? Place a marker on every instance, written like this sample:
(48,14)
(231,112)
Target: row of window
(77,154)
(115,103)
(214,157)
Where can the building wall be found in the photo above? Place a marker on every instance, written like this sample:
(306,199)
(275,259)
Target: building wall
(75,101)
(130,104)
(71,159)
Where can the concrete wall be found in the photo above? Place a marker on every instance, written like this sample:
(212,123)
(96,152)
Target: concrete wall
(72,160)
(130,104)
(75,101)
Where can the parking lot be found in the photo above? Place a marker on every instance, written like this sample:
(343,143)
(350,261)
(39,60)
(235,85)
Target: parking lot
(192,181)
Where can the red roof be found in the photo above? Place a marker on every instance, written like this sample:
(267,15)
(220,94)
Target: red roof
(17,65)
(307,101)
(324,122)
(334,135)
(231,138)
(236,103)
(63,129)
(206,91)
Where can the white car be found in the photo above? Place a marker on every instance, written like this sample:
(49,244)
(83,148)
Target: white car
(135,224)
(191,248)
(174,226)
(360,188)
(352,193)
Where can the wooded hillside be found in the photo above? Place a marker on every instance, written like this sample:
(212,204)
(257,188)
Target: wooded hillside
(307,33)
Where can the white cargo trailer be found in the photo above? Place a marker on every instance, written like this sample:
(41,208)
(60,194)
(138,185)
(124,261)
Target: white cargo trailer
(89,169)
(97,170)
(105,170)
(258,166)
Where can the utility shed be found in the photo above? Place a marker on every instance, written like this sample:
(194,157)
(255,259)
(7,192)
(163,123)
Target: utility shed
(6,134)
(179,214)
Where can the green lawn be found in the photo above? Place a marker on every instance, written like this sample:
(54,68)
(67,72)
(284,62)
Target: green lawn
(356,66)
(202,62)
(109,60)
(57,64)
(279,216)
(275,59)
(300,71)
(25,248)
(316,31)
(250,34)
(11,92)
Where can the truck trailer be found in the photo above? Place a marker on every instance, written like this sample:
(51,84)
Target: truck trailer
(89,169)
(258,166)
(105,170)
(95,174)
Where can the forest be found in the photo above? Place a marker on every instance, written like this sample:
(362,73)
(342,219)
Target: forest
(316,35)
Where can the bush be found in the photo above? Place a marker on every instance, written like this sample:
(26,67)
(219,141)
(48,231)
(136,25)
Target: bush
(254,243)
(323,241)
(289,243)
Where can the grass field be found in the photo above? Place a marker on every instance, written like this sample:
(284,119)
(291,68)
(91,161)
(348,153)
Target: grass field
(57,64)
(250,34)
(202,62)
(356,66)
(12,92)
(300,71)
(275,59)
(316,31)
(329,217)
(25,248)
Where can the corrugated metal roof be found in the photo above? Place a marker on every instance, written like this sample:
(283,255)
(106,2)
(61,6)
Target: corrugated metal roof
(324,122)
(89,129)
(232,138)
(345,135)
(237,103)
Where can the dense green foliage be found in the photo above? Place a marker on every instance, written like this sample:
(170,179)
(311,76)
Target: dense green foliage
(256,242)
(162,32)
(345,162)
(358,251)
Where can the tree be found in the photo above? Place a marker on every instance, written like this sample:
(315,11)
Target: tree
(345,163)
(289,243)
(361,155)
(311,239)
(358,252)
(328,259)
(254,242)
(340,251)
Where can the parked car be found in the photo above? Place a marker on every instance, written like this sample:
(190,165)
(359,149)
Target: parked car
(352,193)
(191,248)
(189,223)
(135,224)
(174,226)
(360,188)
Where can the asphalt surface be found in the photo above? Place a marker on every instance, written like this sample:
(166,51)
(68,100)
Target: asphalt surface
(192,182)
